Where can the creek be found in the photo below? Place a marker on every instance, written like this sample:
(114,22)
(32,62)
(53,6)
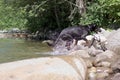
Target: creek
(18,49)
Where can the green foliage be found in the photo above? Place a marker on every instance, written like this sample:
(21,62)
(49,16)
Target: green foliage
(11,17)
(102,12)
(47,15)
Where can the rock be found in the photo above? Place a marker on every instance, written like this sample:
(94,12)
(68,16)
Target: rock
(103,64)
(105,56)
(97,40)
(116,77)
(92,73)
(89,62)
(81,42)
(105,33)
(101,42)
(116,66)
(104,69)
(114,42)
(81,53)
(48,42)
(102,75)
(2,35)
(48,68)
(93,52)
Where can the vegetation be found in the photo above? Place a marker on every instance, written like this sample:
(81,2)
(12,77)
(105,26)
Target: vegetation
(103,12)
(46,15)
(11,17)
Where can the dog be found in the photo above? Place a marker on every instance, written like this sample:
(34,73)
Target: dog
(76,32)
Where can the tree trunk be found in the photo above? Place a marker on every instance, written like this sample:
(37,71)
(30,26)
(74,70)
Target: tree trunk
(81,6)
(56,15)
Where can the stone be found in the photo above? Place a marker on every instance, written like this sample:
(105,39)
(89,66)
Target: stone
(108,55)
(114,42)
(102,75)
(103,64)
(93,52)
(92,73)
(81,53)
(116,76)
(116,66)
(47,68)
(104,69)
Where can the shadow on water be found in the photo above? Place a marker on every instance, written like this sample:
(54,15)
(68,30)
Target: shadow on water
(16,49)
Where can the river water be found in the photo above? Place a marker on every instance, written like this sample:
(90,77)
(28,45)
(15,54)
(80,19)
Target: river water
(16,49)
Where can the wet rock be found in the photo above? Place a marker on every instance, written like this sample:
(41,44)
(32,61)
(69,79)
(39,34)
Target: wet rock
(48,42)
(2,35)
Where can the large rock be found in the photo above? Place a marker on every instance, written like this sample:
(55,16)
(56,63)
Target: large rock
(107,56)
(49,68)
(116,77)
(105,33)
(114,41)
(116,66)
(81,53)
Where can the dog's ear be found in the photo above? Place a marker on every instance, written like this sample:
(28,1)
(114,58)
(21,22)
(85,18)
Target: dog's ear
(91,26)
(96,28)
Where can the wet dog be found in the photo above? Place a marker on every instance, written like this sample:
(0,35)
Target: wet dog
(76,32)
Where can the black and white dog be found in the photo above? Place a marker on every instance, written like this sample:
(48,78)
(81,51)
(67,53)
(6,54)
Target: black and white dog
(76,33)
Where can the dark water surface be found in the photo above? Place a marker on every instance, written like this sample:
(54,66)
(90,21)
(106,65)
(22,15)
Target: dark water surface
(16,49)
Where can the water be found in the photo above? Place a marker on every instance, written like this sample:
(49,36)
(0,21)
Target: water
(16,49)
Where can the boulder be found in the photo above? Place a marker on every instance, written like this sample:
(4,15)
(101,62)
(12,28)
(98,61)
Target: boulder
(116,77)
(48,68)
(116,66)
(108,56)
(114,42)
(104,32)
(81,53)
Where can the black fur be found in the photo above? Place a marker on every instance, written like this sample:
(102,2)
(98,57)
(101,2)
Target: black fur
(77,33)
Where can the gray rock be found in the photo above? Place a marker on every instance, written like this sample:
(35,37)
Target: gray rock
(114,42)
(48,68)
(108,56)
(116,66)
(81,53)
(116,77)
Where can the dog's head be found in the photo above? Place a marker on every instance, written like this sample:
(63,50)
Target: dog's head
(94,28)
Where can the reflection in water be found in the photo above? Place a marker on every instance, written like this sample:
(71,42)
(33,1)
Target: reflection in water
(15,49)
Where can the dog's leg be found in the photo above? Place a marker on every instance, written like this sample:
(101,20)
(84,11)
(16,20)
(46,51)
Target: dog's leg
(93,40)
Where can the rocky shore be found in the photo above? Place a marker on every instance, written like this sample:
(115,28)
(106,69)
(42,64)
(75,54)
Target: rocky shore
(80,63)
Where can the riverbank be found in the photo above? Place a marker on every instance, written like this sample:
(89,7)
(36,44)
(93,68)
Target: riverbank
(79,63)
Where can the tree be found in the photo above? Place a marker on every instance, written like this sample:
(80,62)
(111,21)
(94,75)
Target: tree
(10,17)
(102,12)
